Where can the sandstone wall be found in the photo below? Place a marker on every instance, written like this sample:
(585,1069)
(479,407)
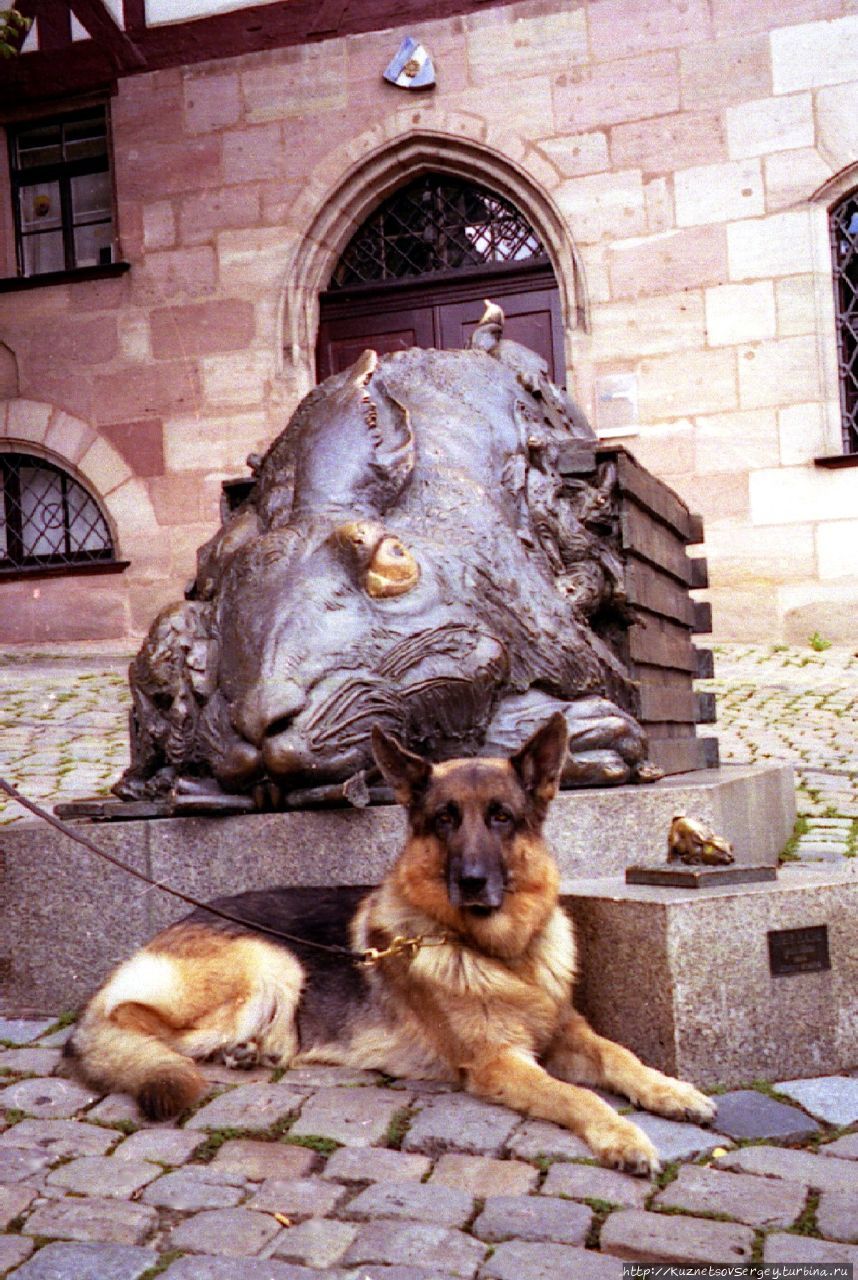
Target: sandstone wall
(677,156)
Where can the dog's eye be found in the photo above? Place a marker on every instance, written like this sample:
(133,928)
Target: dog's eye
(500,818)
(446,820)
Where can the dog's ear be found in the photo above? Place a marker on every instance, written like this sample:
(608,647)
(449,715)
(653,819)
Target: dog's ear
(540,761)
(406,772)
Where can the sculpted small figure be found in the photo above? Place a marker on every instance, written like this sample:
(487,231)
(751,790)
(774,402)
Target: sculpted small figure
(693,843)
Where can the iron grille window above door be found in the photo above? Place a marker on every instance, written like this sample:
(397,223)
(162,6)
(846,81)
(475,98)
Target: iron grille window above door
(844,251)
(435,225)
(417,272)
(47,519)
(62,192)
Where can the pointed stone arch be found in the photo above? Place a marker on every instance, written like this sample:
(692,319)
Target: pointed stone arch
(357,177)
(835,187)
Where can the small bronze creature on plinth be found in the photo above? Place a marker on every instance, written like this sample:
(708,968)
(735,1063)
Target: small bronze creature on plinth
(697,857)
(693,843)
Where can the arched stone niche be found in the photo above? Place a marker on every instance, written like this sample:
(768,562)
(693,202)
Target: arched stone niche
(358,176)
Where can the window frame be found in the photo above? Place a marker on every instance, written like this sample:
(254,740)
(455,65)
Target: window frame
(14,562)
(426,216)
(844,269)
(61,171)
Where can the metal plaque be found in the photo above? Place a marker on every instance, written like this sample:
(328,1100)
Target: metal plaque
(798,950)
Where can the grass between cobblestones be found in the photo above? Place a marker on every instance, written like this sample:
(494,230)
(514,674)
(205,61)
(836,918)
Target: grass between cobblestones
(166,1260)
(669,1173)
(679,1211)
(211,1145)
(125,1127)
(806,1224)
(758,1248)
(602,1209)
(801,828)
(399,1125)
(315,1142)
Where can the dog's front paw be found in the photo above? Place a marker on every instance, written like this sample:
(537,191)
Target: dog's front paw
(619,1144)
(241,1057)
(679,1100)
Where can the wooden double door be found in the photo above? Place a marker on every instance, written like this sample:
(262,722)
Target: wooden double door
(442,313)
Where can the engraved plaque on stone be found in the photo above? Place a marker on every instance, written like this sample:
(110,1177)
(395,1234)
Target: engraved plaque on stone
(798,950)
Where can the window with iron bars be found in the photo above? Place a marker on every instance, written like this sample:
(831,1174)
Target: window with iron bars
(62,192)
(844,252)
(47,519)
(434,225)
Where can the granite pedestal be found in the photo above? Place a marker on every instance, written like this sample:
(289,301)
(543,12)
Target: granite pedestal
(684,976)
(66,917)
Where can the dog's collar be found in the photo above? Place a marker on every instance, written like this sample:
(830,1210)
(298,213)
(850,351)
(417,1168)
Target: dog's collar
(400,945)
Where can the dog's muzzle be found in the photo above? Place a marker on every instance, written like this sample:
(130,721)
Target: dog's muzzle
(473,886)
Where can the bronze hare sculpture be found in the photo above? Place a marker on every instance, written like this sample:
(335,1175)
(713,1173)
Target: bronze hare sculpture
(409,556)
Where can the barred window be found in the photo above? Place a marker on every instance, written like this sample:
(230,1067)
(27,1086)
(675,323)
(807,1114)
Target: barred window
(434,225)
(47,518)
(62,191)
(844,251)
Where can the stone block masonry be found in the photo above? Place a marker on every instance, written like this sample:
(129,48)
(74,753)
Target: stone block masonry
(678,164)
(721,1013)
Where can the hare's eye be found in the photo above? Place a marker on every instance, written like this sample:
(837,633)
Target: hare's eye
(392,570)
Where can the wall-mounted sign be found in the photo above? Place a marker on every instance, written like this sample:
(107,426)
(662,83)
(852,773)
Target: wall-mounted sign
(412,67)
(798,950)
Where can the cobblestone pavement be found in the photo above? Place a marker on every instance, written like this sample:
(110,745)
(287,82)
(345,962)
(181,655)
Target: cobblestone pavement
(325,1174)
(63,725)
(800,705)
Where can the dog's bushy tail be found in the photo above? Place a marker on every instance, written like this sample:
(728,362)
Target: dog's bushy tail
(122,1042)
(122,1059)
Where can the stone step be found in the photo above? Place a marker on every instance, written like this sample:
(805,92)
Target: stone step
(691,980)
(68,917)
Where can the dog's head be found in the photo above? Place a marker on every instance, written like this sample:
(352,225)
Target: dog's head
(474,825)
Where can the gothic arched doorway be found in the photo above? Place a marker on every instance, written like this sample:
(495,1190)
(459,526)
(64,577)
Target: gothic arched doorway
(417,271)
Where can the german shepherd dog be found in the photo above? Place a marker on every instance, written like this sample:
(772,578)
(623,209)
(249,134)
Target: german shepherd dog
(485,1001)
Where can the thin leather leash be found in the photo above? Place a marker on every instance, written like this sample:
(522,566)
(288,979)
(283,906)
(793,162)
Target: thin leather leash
(371,956)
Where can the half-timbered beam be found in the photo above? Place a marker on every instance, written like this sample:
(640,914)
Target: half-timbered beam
(134,14)
(99,22)
(54,24)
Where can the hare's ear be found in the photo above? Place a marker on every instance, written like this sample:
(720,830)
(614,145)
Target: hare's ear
(540,761)
(407,773)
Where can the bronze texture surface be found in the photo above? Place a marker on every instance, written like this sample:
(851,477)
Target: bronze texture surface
(411,556)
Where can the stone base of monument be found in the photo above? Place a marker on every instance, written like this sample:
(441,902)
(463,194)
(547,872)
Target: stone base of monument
(67,917)
(725,985)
